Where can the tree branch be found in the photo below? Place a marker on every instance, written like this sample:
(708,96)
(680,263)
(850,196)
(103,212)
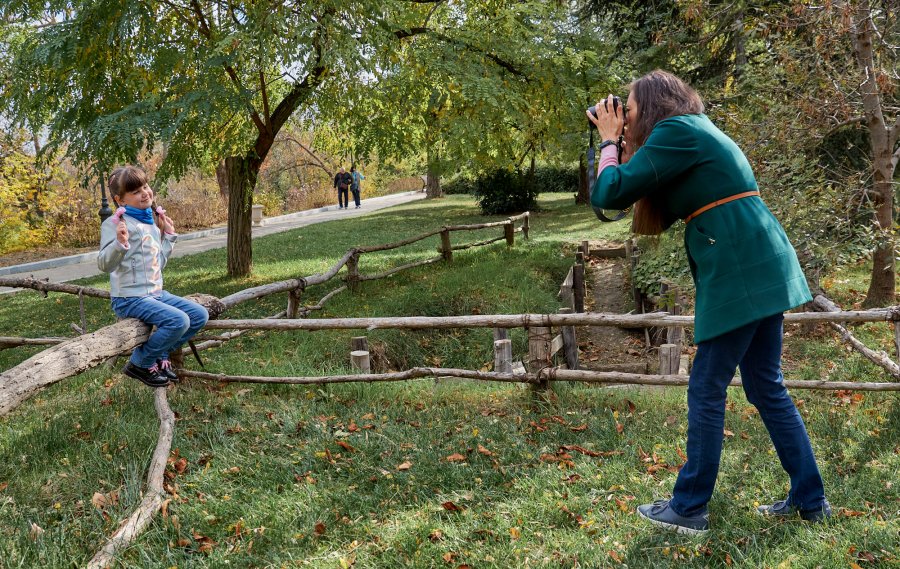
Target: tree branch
(204,28)
(402,34)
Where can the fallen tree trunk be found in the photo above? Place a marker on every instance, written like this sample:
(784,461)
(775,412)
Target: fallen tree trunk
(77,355)
(154,495)
(880,358)
(67,359)
(12,342)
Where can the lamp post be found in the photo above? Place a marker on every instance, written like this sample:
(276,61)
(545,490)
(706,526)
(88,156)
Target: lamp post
(104,203)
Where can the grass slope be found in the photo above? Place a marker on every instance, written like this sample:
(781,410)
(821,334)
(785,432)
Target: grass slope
(422,474)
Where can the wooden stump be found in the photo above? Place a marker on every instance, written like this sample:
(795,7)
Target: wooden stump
(359,361)
(669,359)
(503,356)
(446,247)
(509,231)
(359,343)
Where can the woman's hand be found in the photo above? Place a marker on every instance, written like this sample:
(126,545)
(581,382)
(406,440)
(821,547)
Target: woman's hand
(610,122)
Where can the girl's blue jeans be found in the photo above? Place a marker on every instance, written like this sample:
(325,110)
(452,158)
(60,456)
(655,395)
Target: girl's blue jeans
(177,320)
(756,348)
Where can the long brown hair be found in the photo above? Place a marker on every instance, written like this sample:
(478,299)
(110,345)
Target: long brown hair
(126,179)
(659,95)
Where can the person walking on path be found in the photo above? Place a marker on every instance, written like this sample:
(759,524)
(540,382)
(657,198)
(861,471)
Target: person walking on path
(356,177)
(746,274)
(342,181)
(134,250)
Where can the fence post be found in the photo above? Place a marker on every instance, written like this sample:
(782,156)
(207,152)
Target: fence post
(293,306)
(570,344)
(501,334)
(446,248)
(539,353)
(359,360)
(510,231)
(525,225)
(503,356)
(353,272)
(586,249)
(669,359)
(897,338)
(359,343)
(578,286)
(631,254)
(674,334)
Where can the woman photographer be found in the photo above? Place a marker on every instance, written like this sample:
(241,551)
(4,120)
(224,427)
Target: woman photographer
(746,275)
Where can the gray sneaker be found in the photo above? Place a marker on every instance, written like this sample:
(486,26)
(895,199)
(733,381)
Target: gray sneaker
(661,514)
(782,509)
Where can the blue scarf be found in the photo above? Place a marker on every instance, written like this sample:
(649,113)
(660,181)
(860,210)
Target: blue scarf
(142,215)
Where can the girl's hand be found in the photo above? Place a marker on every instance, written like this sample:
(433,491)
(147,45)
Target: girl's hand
(122,233)
(610,122)
(168,226)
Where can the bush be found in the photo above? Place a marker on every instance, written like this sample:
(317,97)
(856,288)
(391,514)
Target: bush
(556,179)
(504,191)
(461,184)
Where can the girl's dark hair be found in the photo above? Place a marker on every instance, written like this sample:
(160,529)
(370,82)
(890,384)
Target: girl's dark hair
(660,95)
(126,179)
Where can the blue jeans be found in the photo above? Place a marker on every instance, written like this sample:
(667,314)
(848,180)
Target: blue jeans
(343,198)
(756,348)
(355,192)
(177,320)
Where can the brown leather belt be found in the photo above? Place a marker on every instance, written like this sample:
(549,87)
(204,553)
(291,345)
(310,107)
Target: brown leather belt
(709,206)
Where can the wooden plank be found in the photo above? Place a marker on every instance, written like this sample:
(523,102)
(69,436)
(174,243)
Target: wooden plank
(556,344)
(614,253)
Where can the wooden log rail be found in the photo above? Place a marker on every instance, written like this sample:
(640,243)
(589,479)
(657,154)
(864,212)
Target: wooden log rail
(544,375)
(531,320)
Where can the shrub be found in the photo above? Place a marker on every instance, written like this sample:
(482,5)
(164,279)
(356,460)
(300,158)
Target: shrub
(504,191)
(556,179)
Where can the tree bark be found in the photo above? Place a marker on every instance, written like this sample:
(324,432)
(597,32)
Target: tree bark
(882,286)
(583,197)
(240,174)
(433,187)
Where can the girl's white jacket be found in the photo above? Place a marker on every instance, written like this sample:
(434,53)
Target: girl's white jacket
(135,270)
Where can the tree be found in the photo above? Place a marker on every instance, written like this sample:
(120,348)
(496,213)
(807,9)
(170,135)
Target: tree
(213,82)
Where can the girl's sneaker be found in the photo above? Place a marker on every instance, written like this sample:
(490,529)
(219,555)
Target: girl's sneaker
(166,371)
(148,376)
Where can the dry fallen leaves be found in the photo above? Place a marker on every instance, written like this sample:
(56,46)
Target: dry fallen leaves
(404,466)
(484,451)
(455,457)
(100,501)
(345,446)
(451,507)
(319,528)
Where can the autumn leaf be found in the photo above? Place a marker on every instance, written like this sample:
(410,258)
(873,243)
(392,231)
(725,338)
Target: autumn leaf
(449,556)
(319,528)
(615,556)
(404,466)
(35,532)
(515,533)
(455,457)
(729,433)
(484,451)
(206,543)
(3,486)
(436,535)
(619,427)
(579,428)
(451,507)
(180,465)
(100,501)
(345,446)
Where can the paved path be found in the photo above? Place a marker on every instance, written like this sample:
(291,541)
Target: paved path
(76,267)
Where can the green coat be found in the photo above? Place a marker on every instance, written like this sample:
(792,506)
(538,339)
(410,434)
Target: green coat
(743,265)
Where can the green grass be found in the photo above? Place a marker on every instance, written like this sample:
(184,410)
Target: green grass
(264,469)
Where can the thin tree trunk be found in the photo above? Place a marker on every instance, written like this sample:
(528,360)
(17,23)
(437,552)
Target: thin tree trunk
(583,197)
(433,186)
(240,175)
(883,282)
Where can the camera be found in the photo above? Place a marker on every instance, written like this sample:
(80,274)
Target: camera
(616,103)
